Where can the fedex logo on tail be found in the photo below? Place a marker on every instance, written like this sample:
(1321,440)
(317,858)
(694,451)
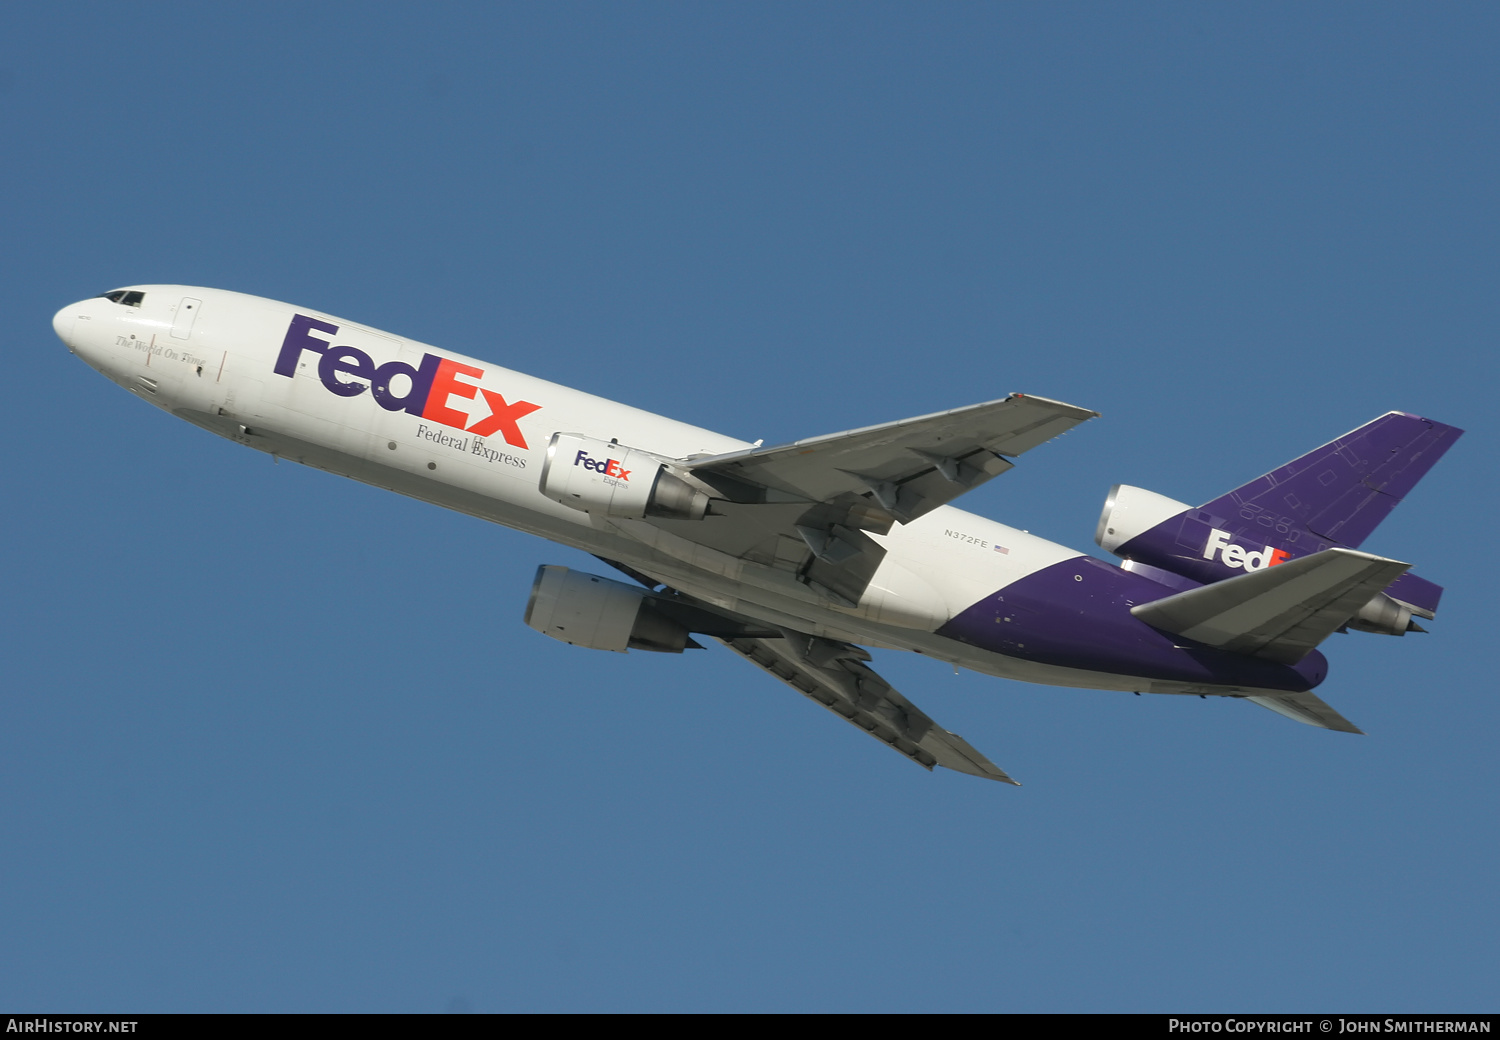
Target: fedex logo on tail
(429,387)
(608,467)
(1232,555)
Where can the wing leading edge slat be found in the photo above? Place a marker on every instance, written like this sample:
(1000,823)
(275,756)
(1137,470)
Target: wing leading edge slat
(908,467)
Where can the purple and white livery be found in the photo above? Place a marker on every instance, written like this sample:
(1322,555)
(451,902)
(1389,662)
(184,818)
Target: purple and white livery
(798,555)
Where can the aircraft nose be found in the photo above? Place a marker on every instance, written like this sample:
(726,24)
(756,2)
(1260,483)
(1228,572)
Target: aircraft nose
(62,324)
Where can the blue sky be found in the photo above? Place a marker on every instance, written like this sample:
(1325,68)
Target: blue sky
(272,740)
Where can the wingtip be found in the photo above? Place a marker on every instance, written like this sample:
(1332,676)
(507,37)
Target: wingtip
(1001,777)
(1084,414)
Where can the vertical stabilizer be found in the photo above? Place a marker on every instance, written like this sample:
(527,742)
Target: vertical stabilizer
(1339,493)
(1331,497)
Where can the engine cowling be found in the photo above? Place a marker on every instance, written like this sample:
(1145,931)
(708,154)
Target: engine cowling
(1384,616)
(612,480)
(1129,511)
(586,610)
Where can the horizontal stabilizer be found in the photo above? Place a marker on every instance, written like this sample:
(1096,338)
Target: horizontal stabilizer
(1331,497)
(1306,707)
(1280,613)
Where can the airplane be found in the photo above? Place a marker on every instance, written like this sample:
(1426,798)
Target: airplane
(798,556)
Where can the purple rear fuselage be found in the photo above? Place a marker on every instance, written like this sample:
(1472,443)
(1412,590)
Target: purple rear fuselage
(1076,614)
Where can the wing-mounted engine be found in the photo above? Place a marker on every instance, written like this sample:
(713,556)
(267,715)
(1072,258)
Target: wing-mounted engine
(586,610)
(809,507)
(611,480)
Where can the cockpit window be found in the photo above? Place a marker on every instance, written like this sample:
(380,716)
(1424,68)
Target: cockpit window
(128,297)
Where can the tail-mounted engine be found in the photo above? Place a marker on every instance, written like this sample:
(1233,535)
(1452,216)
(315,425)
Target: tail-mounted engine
(612,480)
(1385,617)
(1158,532)
(1129,511)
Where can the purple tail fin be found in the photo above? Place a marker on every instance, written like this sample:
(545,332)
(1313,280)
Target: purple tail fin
(1337,494)
(1331,497)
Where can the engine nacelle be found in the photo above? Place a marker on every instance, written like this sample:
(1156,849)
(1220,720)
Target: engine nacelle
(1384,616)
(1129,511)
(587,610)
(612,480)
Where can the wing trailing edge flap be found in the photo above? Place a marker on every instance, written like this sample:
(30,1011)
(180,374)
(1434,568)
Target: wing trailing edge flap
(907,468)
(810,506)
(1279,613)
(835,675)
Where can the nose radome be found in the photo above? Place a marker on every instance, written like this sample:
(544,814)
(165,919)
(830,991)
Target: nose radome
(62,324)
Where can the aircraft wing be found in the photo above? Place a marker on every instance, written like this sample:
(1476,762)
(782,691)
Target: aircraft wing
(835,675)
(909,467)
(806,507)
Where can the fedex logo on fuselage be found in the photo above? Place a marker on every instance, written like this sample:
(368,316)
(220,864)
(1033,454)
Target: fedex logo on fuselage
(609,467)
(1232,555)
(430,386)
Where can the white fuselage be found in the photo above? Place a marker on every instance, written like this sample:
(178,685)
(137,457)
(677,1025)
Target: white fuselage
(211,357)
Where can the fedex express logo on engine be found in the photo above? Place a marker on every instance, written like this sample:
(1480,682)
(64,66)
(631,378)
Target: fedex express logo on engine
(427,389)
(1232,555)
(608,467)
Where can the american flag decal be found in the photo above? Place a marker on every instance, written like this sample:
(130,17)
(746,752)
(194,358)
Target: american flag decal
(1002,549)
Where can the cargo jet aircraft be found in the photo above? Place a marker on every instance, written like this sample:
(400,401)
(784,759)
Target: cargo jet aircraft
(794,556)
